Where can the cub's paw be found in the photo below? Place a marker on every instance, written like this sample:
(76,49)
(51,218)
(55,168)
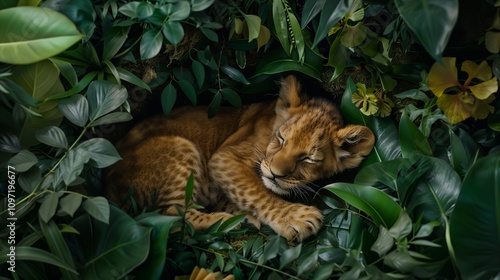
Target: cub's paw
(296,221)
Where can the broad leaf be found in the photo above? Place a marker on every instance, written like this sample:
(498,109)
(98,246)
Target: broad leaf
(234,74)
(100,151)
(151,43)
(9,143)
(432,22)
(76,109)
(153,267)
(311,9)
(98,208)
(28,253)
(31,34)
(52,136)
(104,97)
(200,5)
(48,207)
(381,207)
(109,251)
(188,90)
(333,11)
(168,97)
(412,140)
(475,222)
(70,203)
(23,161)
(72,165)
(173,32)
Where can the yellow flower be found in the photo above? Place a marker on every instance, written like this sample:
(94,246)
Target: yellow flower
(371,101)
(460,101)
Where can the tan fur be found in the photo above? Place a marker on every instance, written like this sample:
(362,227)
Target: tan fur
(243,159)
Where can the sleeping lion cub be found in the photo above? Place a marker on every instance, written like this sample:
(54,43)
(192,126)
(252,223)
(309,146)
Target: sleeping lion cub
(243,160)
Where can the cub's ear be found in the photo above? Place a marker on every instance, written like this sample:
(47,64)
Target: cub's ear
(290,93)
(356,142)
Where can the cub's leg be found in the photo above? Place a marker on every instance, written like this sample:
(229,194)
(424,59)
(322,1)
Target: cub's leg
(234,173)
(161,166)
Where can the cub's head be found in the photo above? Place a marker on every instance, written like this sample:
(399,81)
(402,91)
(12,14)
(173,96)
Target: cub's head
(309,141)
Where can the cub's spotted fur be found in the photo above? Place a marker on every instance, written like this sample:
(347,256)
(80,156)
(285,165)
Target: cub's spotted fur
(242,160)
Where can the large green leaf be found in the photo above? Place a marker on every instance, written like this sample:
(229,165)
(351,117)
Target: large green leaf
(412,140)
(160,224)
(40,80)
(387,144)
(31,34)
(475,222)
(109,251)
(432,22)
(311,9)
(104,97)
(27,253)
(380,206)
(333,11)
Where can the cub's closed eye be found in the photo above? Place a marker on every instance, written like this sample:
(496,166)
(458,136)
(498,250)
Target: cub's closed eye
(310,160)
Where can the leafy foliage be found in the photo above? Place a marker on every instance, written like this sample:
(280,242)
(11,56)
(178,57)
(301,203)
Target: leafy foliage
(415,208)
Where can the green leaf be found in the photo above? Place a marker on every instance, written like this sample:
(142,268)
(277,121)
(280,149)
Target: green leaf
(432,22)
(114,117)
(70,203)
(131,78)
(52,136)
(475,222)
(232,97)
(458,156)
(104,97)
(332,12)
(23,161)
(387,146)
(58,247)
(114,41)
(253,25)
(188,90)
(151,43)
(130,9)
(31,34)
(380,206)
(76,109)
(189,189)
(72,165)
(412,139)
(210,34)
(110,251)
(290,255)
(145,10)
(200,5)
(173,32)
(307,262)
(270,249)
(98,208)
(234,74)
(153,266)
(337,58)
(199,72)
(311,9)
(281,25)
(29,180)
(100,151)
(402,227)
(384,242)
(81,12)
(48,207)
(494,121)
(28,253)
(80,86)
(214,105)
(168,97)
(67,70)
(231,223)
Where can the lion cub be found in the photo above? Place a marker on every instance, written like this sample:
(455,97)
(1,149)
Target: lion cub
(243,160)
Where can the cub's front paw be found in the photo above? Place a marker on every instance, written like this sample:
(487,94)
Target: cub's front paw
(296,221)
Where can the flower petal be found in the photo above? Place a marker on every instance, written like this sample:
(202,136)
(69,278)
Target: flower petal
(485,89)
(481,108)
(481,71)
(453,107)
(443,76)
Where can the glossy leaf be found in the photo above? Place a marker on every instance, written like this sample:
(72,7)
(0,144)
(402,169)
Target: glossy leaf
(307,262)
(23,161)
(311,9)
(9,143)
(333,11)
(124,245)
(290,255)
(114,117)
(80,12)
(70,203)
(234,74)
(387,146)
(412,139)
(131,78)
(199,73)
(58,246)
(104,97)
(214,105)
(151,44)
(168,97)
(432,22)
(200,5)
(100,152)
(48,207)
(52,136)
(253,26)
(98,208)
(72,165)
(231,96)
(31,34)
(76,109)
(67,70)
(475,222)
(337,58)
(173,32)
(281,25)
(28,253)
(188,90)
(380,206)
